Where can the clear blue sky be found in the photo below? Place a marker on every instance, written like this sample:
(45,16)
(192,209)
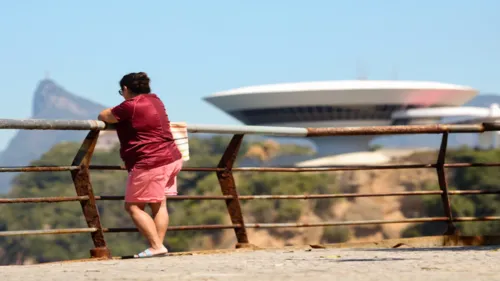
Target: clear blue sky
(192,49)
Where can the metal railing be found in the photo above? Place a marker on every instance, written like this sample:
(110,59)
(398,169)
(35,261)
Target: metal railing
(80,168)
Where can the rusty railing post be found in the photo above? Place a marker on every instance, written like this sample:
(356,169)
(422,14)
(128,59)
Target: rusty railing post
(228,187)
(83,187)
(443,185)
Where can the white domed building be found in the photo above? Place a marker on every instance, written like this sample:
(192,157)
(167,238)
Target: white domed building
(347,104)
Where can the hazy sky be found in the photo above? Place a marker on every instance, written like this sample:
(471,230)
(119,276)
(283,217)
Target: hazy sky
(192,49)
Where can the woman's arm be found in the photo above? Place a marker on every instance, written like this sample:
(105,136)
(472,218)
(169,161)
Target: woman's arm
(107,116)
(119,113)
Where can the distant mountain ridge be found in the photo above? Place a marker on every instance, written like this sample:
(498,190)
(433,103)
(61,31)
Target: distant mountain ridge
(50,101)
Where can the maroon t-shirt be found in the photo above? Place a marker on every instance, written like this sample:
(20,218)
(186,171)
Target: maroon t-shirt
(143,129)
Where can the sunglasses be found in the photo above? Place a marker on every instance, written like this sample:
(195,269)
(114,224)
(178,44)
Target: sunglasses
(120,92)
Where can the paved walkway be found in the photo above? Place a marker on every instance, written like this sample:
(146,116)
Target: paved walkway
(478,263)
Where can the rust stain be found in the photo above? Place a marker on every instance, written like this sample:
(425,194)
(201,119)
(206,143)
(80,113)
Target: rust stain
(43,199)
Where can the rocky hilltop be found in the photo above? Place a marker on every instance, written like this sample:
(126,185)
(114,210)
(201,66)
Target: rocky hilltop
(50,101)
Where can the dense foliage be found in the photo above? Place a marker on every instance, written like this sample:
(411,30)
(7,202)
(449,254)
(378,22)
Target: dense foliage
(477,178)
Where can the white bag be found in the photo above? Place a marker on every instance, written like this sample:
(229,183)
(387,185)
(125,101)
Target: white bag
(180,134)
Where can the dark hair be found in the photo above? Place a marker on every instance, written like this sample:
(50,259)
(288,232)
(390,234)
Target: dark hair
(137,82)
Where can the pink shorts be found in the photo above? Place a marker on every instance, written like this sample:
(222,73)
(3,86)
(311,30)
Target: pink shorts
(151,186)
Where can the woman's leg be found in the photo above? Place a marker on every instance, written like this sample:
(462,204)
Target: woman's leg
(146,226)
(160,217)
(159,210)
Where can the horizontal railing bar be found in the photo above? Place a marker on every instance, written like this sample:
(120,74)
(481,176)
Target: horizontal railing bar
(45,124)
(316,169)
(176,197)
(368,222)
(249,225)
(339,195)
(248,197)
(332,131)
(331,168)
(38,169)
(289,225)
(284,169)
(47,231)
(184,169)
(42,199)
(106,167)
(175,228)
(403,129)
(355,195)
(255,169)
(359,167)
(249,130)
(312,196)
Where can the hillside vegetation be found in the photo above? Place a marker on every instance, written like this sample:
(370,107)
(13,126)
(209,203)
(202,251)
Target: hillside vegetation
(207,152)
(483,178)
